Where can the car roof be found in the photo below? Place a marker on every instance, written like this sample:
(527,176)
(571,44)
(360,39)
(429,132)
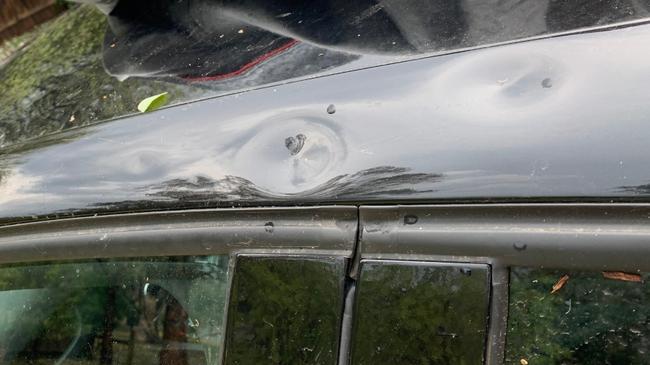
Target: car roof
(530,121)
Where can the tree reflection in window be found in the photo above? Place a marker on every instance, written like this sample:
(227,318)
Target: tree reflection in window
(136,311)
(590,319)
(285,310)
(420,313)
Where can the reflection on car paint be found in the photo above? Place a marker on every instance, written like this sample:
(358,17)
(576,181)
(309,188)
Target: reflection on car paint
(195,49)
(204,39)
(475,125)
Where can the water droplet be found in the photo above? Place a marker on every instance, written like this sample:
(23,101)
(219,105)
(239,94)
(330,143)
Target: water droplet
(331,109)
(547,83)
(410,219)
(269,227)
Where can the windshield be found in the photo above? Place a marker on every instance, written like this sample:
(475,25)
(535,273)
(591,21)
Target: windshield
(99,60)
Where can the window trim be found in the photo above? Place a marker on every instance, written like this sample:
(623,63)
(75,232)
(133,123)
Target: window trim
(578,236)
(327,230)
(571,236)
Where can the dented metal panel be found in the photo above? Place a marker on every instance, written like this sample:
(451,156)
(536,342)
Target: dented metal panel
(528,121)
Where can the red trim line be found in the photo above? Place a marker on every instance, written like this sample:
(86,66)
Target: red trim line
(247,66)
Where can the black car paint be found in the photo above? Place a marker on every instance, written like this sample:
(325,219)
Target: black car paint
(562,118)
(208,39)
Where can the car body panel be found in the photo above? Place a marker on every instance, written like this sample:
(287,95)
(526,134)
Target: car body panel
(531,120)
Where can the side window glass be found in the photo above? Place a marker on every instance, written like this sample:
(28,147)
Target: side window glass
(131,311)
(420,313)
(559,317)
(285,310)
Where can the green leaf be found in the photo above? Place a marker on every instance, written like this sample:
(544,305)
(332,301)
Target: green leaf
(153,102)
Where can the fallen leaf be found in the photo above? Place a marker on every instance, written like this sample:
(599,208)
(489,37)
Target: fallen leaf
(560,283)
(623,276)
(153,102)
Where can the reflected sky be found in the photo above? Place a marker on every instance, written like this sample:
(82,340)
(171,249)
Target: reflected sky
(561,117)
(99,60)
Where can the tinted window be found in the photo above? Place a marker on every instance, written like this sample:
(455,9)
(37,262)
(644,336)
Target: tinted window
(420,313)
(285,311)
(142,311)
(559,317)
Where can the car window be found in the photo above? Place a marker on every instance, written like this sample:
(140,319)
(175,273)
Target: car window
(574,317)
(285,311)
(131,311)
(98,61)
(420,313)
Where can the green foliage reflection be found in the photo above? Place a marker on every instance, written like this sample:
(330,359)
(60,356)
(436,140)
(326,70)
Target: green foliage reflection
(137,311)
(590,320)
(285,311)
(420,314)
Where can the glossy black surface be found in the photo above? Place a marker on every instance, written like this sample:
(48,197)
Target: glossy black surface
(588,320)
(217,40)
(285,311)
(562,118)
(98,62)
(420,313)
